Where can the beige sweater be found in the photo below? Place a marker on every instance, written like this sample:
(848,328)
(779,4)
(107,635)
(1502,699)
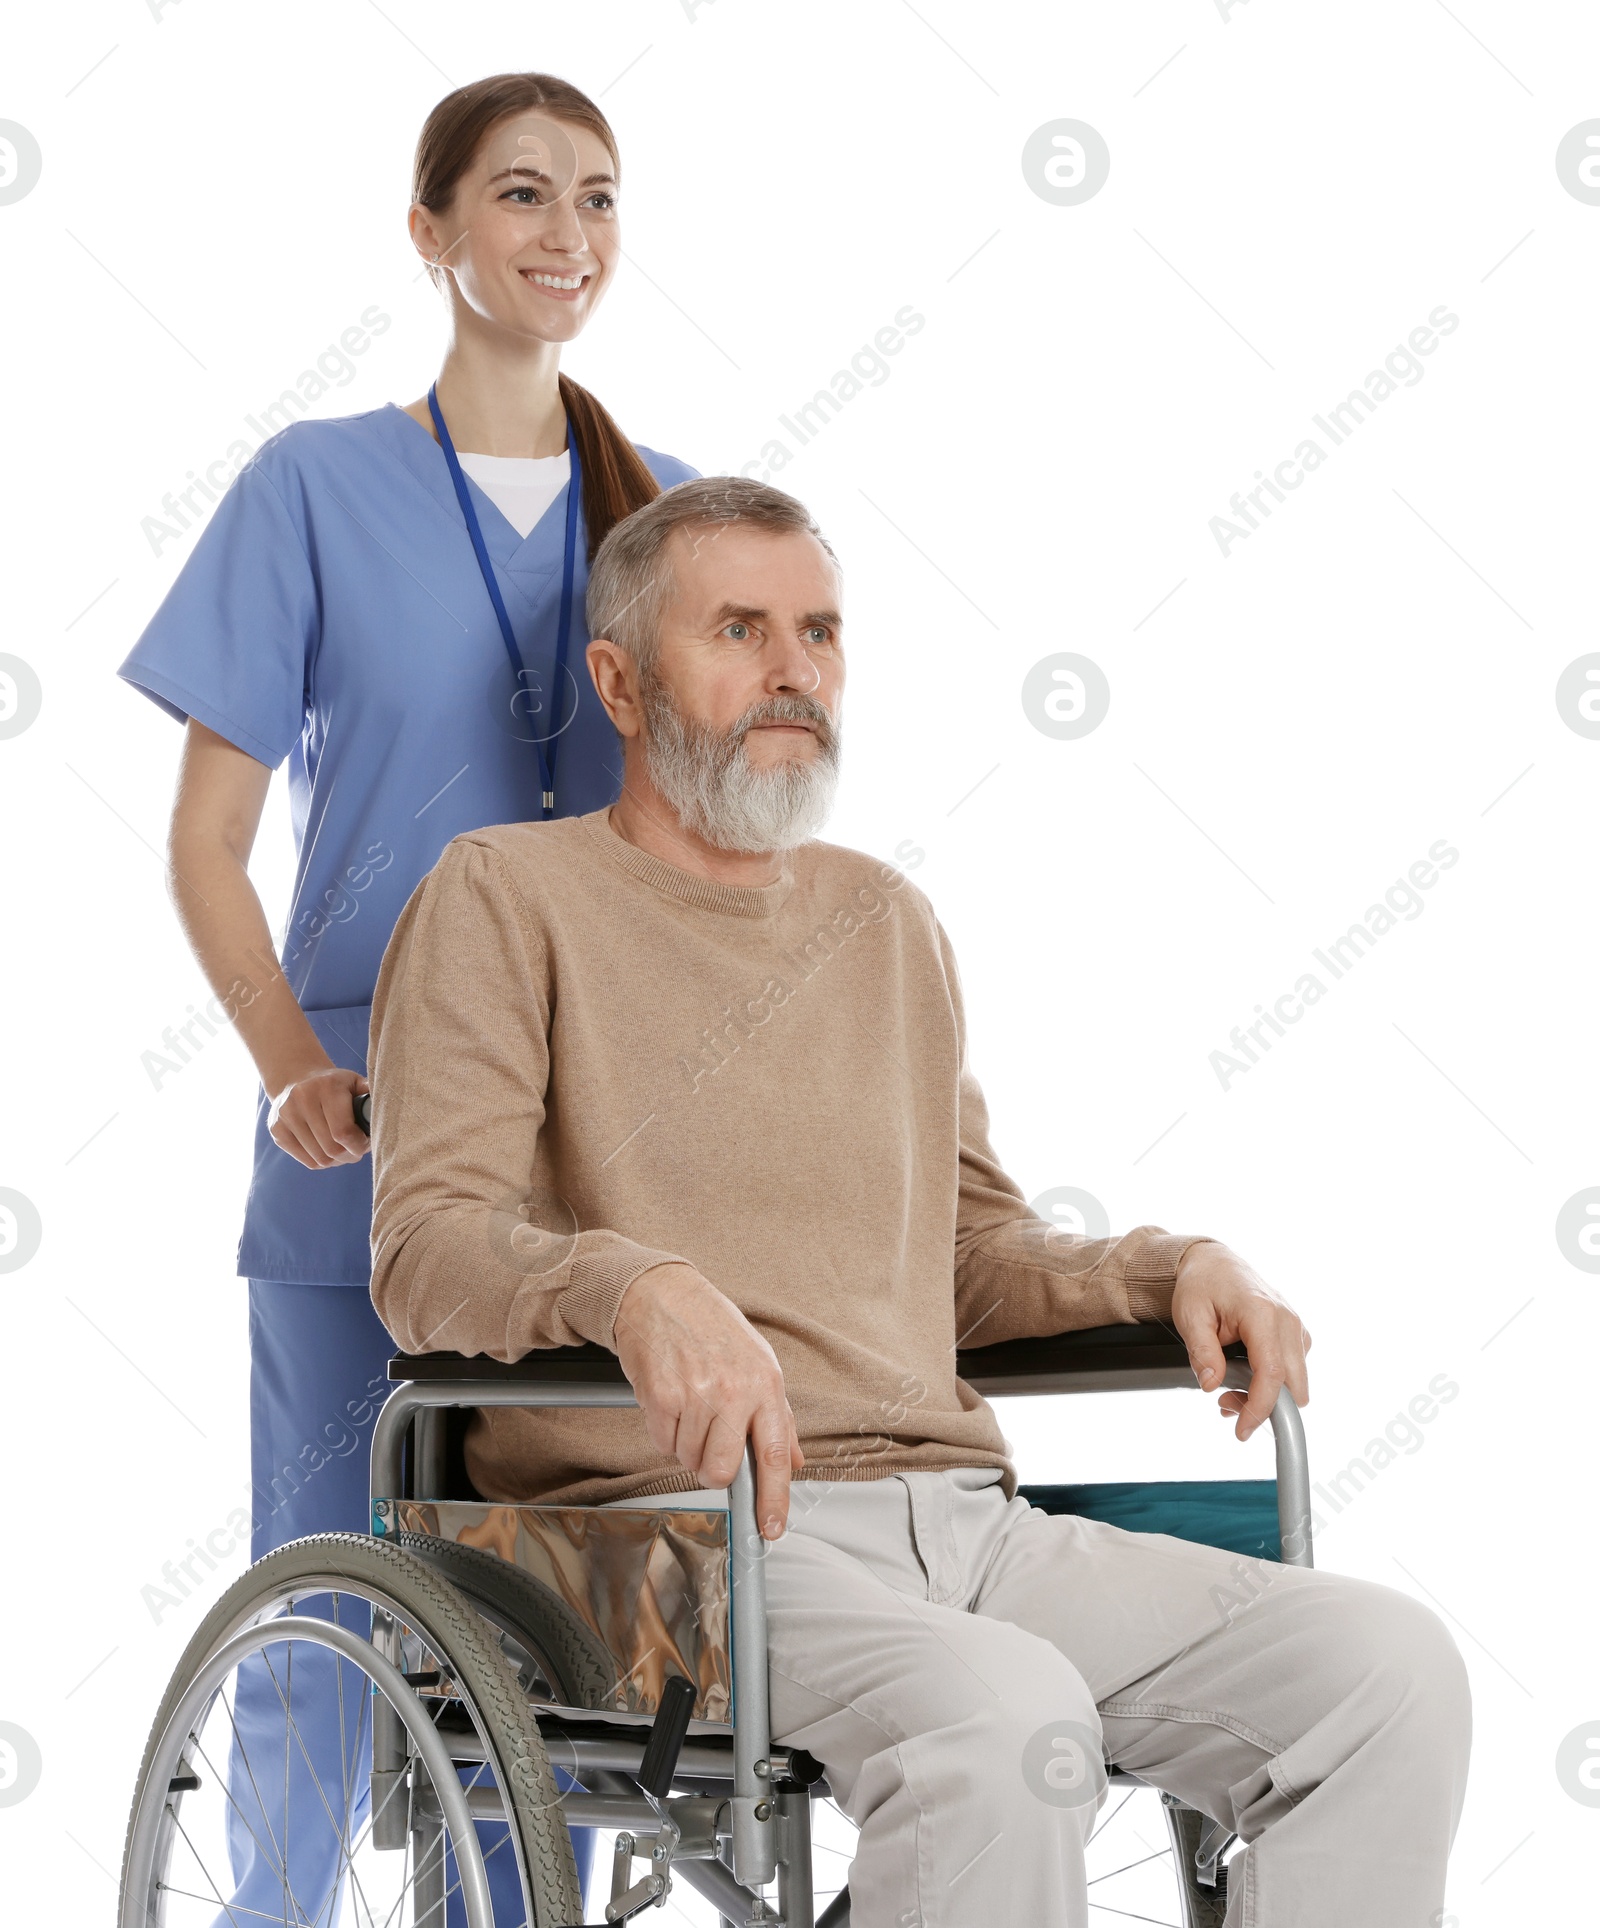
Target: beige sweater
(587,1062)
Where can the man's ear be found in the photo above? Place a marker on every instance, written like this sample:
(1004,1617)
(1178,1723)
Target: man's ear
(616,683)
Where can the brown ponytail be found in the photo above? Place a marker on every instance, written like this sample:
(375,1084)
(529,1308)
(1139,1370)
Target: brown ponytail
(615,479)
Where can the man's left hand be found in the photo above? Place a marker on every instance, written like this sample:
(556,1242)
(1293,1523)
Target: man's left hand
(1218,1299)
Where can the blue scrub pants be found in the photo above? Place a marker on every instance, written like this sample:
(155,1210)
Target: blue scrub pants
(318,1374)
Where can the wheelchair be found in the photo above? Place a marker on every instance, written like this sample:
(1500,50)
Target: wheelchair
(476,1649)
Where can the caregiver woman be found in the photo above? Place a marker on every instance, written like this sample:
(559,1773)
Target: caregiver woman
(387,611)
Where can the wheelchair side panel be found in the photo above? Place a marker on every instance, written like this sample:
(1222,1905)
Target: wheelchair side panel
(650,1583)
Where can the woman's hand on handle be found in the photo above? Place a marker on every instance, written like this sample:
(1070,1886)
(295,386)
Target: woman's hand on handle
(313,1118)
(707,1381)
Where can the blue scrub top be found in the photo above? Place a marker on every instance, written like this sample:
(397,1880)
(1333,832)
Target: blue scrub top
(332,612)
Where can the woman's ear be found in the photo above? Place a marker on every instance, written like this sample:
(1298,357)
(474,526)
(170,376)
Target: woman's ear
(425,235)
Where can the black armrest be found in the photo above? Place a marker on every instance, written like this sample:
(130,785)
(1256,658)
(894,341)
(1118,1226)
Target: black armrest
(1142,1354)
(554,1366)
(1115,1349)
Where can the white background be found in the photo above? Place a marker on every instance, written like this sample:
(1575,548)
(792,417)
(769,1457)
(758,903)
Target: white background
(1293,189)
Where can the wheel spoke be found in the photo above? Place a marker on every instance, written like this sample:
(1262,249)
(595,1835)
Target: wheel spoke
(1101,1828)
(1143,1859)
(347,1848)
(216,1892)
(268,1665)
(455,1886)
(233,1910)
(344,1757)
(222,1781)
(360,1842)
(347,1762)
(1127,1915)
(292,1726)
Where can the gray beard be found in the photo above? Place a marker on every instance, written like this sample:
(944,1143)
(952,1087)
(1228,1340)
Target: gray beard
(705,777)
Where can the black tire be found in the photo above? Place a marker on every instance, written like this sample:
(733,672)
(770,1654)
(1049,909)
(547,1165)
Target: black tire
(531,1617)
(358,1566)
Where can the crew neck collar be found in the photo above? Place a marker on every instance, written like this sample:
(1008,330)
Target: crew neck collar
(706,893)
(517,464)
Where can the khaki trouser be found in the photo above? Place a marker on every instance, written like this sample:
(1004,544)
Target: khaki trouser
(957,1662)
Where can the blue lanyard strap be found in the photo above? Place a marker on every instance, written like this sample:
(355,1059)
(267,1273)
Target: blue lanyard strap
(546,746)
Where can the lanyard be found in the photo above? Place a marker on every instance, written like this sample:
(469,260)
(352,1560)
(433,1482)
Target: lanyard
(545,746)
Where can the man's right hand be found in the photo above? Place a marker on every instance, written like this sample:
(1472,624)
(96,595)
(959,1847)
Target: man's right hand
(706,1381)
(313,1118)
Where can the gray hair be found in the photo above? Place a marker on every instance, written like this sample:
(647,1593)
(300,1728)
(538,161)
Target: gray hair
(630,579)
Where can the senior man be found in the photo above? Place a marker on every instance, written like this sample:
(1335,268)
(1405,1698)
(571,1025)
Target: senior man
(679,1079)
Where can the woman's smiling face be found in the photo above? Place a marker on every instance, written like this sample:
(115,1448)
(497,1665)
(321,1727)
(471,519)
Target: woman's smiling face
(530,237)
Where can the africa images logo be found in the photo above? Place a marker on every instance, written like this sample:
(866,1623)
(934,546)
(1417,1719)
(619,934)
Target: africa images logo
(1401,368)
(1402,902)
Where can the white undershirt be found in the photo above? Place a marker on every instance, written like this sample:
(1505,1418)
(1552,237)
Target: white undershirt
(521,487)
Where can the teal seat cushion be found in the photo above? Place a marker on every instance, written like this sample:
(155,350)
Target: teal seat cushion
(1240,1515)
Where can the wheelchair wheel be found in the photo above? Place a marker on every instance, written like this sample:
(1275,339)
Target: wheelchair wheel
(557,1657)
(250,1795)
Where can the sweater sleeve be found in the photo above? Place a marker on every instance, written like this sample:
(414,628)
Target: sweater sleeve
(470,1252)
(1016,1275)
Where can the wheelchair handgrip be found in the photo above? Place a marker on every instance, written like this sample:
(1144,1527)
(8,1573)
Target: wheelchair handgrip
(666,1736)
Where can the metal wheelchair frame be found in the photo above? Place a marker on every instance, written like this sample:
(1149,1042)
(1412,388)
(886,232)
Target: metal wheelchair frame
(767,1814)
